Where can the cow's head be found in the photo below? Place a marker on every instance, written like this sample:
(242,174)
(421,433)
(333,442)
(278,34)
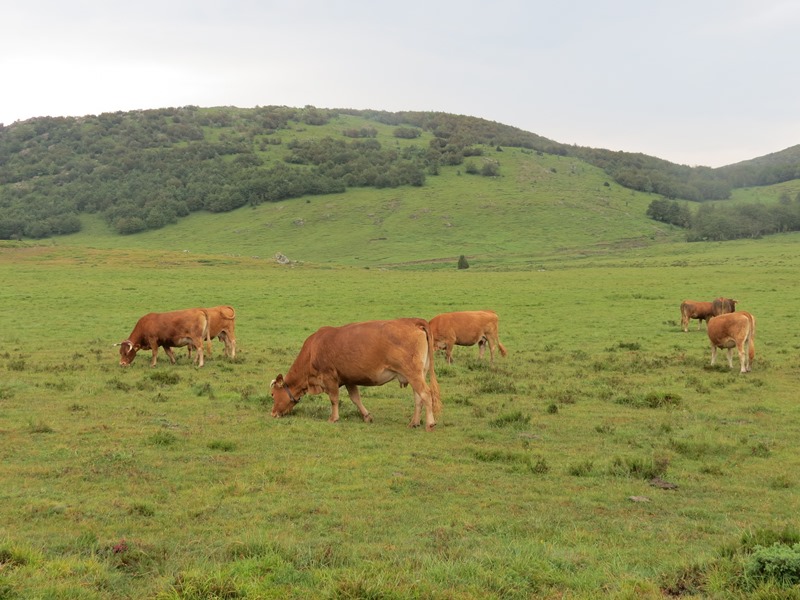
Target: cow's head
(283,400)
(127,352)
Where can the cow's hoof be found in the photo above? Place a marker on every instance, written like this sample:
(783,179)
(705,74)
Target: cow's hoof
(367,418)
(412,424)
(430,427)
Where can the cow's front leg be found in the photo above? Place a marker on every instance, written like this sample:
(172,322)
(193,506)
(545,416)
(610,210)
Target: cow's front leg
(154,350)
(713,354)
(333,393)
(355,396)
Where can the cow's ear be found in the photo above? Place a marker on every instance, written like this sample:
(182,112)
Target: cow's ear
(277,382)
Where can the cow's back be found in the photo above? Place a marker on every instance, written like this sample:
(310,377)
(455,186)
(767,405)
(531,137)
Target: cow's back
(726,329)
(169,326)
(356,350)
(464,327)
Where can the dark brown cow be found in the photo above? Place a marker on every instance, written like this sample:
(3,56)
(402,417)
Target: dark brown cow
(369,353)
(734,330)
(168,330)
(691,309)
(466,328)
(722,306)
(222,325)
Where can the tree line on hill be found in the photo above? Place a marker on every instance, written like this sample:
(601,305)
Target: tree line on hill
(145,169)
(719,222)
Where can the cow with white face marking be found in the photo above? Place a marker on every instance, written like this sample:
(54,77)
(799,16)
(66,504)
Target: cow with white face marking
(168,330)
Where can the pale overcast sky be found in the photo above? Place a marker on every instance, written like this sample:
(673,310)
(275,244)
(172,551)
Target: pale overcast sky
(698,82)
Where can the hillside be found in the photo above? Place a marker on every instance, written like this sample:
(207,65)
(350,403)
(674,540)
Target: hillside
(146,170)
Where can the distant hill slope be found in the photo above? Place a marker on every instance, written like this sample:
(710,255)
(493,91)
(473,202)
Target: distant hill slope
(144,170)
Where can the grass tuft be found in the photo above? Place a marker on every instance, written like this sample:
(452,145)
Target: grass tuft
(516,419)
(163,439)
(651,400)
(222,445)
(638,468)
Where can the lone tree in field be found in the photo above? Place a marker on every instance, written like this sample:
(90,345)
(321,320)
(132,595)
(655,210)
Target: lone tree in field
(462,262)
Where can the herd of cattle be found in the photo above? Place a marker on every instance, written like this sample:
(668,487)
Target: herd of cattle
(726,328)
(373,353)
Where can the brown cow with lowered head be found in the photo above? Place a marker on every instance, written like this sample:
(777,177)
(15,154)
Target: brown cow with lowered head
(369,353)
(466,328)
(168,330)
(734,330)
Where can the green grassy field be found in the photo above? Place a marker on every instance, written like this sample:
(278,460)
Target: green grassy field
(174,482)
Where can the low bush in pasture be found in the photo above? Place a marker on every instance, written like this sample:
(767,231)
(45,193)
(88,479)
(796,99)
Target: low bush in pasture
(779,563)
(761,564)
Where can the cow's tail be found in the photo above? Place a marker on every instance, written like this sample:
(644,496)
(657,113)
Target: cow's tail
(751,347)
(207,332)
(684,316)
(502,348)
(436,398)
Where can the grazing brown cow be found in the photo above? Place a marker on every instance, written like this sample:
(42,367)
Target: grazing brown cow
(691,309)
(369,353)
(222,325)
(168,330)
(734,330)
(466,328)
(722,306)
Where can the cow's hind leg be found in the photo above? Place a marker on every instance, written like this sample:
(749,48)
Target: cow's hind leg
(355,396)
(200,352)
(743,366)
(422,396)
(171,354)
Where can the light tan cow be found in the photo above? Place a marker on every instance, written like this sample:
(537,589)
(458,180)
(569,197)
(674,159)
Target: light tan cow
(734,330)
(222,325)
(467,328)
(370,353)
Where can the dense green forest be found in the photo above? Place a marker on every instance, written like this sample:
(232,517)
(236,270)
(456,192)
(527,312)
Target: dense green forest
(145,169)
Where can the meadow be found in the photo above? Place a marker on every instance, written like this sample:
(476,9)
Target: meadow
(175,482)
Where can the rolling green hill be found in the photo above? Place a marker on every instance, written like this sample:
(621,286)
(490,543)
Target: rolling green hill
(540,205)
(444,183)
